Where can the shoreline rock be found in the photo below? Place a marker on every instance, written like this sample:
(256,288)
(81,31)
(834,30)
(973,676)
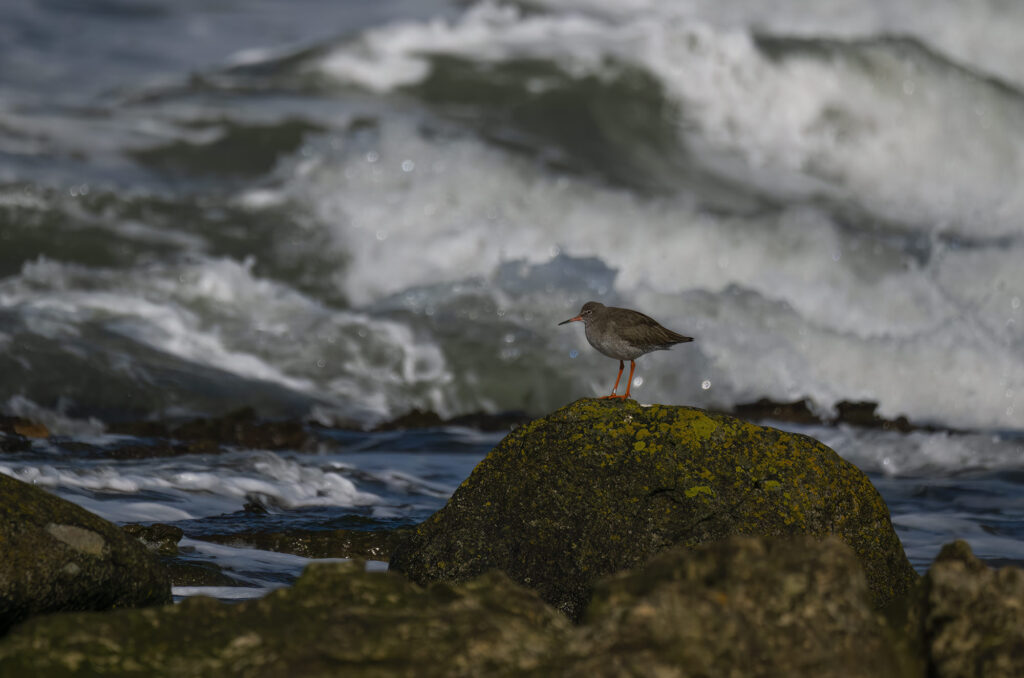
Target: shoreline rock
(600,486)
(747,606)
(56,556)
(340,543)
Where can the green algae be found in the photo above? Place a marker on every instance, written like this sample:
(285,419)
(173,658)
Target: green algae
(338,619)
(692,492)
(599,486)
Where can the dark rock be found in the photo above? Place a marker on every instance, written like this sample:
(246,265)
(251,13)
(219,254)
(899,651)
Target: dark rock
(336,621)
(415,418)
(796,412)
(862,414)
(56,556)
(481,421)
(973,617)
(12,442)
(255,505)
(741,607)
(16,433)
(749,607)
(368,544)
(242,428)
(600,486)
(160,538)
(189,573)
(18,426)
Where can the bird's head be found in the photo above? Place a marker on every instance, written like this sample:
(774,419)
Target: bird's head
(586,313)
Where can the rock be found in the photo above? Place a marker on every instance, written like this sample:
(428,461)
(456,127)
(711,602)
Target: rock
(481,421)
(741,607)
(336,620)
(160,538)
(16,434)
(242,428)
(368,544)
(188,573)
(57,556)
(973,617)
(600,486)
(23,427)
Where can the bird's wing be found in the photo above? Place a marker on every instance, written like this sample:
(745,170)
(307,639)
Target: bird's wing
(644,330)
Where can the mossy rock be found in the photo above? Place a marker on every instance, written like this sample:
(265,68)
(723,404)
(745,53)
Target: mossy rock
(741,607)
(338,620)
(972,616)
(744,606)
(57,556)
(600,486)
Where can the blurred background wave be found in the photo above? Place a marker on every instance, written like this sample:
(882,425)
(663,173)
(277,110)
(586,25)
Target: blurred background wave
(344,210)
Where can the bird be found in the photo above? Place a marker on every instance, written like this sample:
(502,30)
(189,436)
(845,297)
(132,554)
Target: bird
(624,334)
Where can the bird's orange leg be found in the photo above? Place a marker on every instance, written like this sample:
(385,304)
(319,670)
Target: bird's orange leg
(622,366)
(632,368)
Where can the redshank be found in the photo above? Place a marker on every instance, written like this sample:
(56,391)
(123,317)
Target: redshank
(624,334)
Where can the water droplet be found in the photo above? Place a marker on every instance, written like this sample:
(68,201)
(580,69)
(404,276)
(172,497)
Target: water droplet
(1015,303)
(573,353)
(321,362)
(372,156)
(509,338)
(382,235)
(408,165)
(638,381)
(706,384)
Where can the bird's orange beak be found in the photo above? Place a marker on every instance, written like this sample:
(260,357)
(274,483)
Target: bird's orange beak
(571,320)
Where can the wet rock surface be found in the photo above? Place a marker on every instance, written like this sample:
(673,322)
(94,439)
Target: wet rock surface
(243,428)
(972,616)
(862,414)
(336,620)
(601,486)
(746,606)
(160,538)
(56,556)
(365,544)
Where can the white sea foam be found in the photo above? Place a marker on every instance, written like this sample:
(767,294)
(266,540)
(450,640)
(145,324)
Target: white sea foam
(217,313)
(836,315)
(922,452)
(223,592)
(56,422)
(983,34)
(903,135)
(189,488)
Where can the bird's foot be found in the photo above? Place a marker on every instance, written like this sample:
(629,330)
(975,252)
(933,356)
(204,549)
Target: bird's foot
(613,396)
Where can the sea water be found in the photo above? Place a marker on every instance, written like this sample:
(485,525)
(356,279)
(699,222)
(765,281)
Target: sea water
(338,212)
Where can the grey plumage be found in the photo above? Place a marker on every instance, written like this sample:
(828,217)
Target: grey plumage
(624,334)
